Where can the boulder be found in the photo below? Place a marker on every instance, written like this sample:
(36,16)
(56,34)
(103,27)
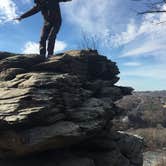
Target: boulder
(61,106)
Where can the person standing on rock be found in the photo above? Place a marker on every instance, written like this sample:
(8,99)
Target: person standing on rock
(50,10)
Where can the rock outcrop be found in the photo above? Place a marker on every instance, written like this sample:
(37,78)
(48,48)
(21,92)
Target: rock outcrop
(61,110)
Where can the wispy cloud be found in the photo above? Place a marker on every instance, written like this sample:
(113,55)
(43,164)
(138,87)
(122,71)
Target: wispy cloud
(99,18)
(151,77)
(144,39)
(8,11)
(107,23)
(81,14)
(145,47)
(132,64)
(152,71)
(119,39)
(33,48)
(149,27)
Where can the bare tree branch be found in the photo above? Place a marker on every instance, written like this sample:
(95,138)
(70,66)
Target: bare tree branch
(153,11)
(153,6)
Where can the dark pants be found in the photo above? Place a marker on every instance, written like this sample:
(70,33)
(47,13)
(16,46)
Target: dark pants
(49,33)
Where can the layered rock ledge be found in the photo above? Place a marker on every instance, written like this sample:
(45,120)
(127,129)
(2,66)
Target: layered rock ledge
(61,109)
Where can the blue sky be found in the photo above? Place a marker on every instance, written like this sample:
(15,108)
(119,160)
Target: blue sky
(136,42)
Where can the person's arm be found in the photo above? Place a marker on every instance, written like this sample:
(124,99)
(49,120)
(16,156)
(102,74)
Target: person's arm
(29,13)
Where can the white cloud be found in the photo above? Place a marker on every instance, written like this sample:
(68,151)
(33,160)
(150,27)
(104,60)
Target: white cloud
(149,27)
(126,36)
(151,77)
(132,64)
(8,10)
(156,72)
(144,39)
(81,14)
(116,24)
(33,47)
(97,17)
(145,48)
(60,46)
(147,41)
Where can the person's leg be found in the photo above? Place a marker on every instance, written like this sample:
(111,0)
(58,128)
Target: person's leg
(51,41)
(52,37)
(44,36)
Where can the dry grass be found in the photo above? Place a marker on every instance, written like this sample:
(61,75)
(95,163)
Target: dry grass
(154,137)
